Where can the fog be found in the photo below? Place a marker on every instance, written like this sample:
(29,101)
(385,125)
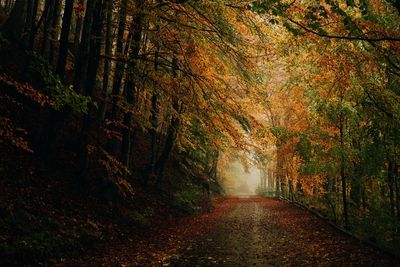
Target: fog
(237,180)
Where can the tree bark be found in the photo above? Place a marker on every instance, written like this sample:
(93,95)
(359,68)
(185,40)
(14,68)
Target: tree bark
(390,182)
(131,85)
(54,31)
(33,29)
(64,41)
(107,62)
(154,115)
(49,7)
(342,173)
(171,133)
(169,144)
(78,29)
(92,48)
(119,67)
(82,63)
(14,27)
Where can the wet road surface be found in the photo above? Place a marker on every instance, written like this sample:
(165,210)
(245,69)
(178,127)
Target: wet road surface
(268,232)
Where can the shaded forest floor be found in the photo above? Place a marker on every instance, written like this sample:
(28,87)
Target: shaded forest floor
(46,219)
(251,231)
(158,245)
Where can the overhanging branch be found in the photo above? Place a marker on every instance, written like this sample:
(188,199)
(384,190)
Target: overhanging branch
(354,38)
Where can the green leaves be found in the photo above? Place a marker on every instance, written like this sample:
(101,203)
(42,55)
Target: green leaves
(62,96)
(243,121)
(293,30)
(272,7)
(282,133)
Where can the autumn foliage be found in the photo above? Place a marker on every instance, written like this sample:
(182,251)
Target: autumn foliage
(133,98)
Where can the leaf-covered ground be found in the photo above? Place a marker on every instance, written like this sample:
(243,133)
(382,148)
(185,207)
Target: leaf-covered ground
(246,231)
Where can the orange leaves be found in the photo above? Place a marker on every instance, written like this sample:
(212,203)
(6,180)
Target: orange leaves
(10,134)
(27,91)
(79,10)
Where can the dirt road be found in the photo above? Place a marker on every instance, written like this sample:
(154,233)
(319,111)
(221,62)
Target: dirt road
(267,232)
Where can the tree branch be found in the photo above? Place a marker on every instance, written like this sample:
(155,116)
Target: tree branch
(354,38)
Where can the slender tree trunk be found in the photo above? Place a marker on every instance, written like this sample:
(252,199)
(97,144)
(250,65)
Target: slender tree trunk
(391,187)
(397,5)
(14,27)
(54,31)
(107,62)
(32,30)
(291,190)
(279,175)
(363,198)
(49,7)
(131,85)
(154,137)
(342,174)
(277,186)
(396,183)
(32,33)
(92,48)
(82,63)
(28,23)
(154,121)
(119,67)
(169,144)
(95,42)
(171,133)
(9,5)
(78,28)
(64,39)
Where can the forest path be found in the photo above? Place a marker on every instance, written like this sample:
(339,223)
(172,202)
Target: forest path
(268,232)
(239,231)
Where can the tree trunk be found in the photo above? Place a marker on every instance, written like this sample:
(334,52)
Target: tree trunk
(169,144)
(342,174)
(391,187)
(154,136)
(291,190)
(107,62)
(64,41)
(54,30)
(396,183)
(397,5)
(92,48)
(279,174)
(78,29)
(32,29)
(14,27)
(154,119)
(119,67)
(171,134)
(32,33)
(131,85)
(277,186)
(82,63)
(28,23)
(49,6)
